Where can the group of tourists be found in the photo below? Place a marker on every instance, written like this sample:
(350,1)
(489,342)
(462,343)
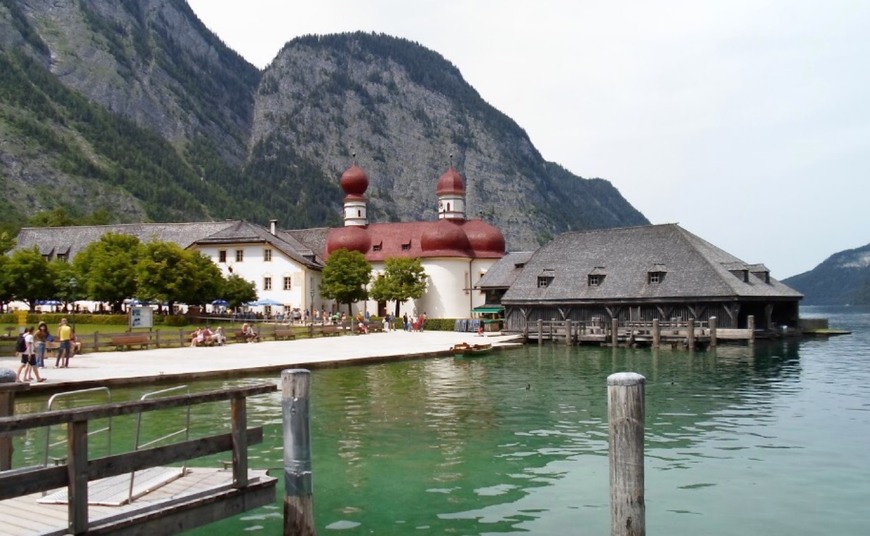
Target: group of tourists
(206,337)
(31,346)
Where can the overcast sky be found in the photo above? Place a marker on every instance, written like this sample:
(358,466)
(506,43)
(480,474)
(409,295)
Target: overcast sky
(746,122)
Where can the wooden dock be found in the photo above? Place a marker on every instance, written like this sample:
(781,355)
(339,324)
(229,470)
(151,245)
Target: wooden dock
(189,497)
(686,334)
(84,495)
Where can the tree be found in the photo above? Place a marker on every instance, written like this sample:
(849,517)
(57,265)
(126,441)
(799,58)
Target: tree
(108,268)
(345,277)
(165,273)
(207,282)
(403,279)
(28,277)
(238,290)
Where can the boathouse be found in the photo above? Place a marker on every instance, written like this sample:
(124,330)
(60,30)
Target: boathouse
(639,274)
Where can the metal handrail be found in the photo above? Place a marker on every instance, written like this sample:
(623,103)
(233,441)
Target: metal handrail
(137,445)
(70,394)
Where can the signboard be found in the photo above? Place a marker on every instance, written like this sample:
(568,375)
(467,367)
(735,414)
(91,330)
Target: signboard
(140,317)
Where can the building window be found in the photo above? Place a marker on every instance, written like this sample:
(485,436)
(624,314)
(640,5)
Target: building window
(288,283)
(267,255)
(406,247)
(240,255)
(544,281)
(267,283)
(595,280)
(654,278)
(61,257)
(377,247)
(222,256)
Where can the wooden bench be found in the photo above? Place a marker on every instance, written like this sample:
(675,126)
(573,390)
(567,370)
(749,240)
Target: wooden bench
(329,330)
(51,348)
(284,334)
(376,325)
(241,337)
(130,340)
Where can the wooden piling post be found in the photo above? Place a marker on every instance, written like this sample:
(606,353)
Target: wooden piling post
(625,413)
(690,337)
(298,488)
(540,331)
(614,332)
(713,326)
(568,329)
(7,409)
(750,323)
(656,333)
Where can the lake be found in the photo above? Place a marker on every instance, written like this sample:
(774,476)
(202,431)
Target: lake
(767,440)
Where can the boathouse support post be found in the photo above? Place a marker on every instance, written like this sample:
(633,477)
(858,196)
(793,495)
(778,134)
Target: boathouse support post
(568,328)
(540,331)
(625,415)
(690,336)
(656,333)
(750,324)
(298,503)
(713,326)
(614,331)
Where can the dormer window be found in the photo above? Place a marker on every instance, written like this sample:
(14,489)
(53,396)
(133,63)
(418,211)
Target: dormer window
(406,247)
(377,247)
(544,281)
(596,276)
(654,278)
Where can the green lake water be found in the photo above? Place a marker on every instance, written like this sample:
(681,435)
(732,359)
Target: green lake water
(772,440)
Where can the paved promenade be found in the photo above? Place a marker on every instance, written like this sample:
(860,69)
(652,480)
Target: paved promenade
(185,364)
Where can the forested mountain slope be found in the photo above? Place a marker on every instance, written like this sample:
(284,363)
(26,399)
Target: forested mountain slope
(842,279)
(135,109)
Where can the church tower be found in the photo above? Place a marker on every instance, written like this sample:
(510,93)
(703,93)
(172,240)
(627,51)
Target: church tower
(451,196)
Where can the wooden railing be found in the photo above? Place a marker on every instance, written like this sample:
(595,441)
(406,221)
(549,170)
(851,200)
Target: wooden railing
(78,469)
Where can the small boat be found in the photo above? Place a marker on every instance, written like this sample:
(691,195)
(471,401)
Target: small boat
(465,349)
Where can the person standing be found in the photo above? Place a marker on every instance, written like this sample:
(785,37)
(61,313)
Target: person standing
(40,339)
(64,336)
(32,369)
(21,351)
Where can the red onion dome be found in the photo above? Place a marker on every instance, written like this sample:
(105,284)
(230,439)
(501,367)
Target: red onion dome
(445,235)
(354,181)
(450,183)
(484,237)
(351,238)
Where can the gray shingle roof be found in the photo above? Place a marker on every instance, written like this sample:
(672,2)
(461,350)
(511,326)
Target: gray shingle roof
(692,267)
(503,273)
(73,239)
(58,240)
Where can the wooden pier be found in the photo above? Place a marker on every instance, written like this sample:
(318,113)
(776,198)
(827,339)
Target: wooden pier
(656,334)
(190,498)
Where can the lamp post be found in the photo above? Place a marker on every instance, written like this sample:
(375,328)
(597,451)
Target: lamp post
(311,304)
(73,285)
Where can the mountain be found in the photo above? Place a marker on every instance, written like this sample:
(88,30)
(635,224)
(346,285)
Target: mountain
(842,279)
(134,108)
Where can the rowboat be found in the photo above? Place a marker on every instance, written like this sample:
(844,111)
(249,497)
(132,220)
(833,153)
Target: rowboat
(465,349)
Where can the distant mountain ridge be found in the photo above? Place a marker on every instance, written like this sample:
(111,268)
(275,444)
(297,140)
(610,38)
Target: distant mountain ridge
(842,279)
(136,108)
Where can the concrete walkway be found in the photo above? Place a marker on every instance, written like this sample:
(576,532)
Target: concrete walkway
(232,360)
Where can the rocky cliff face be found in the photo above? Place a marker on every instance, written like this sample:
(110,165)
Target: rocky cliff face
(136,108)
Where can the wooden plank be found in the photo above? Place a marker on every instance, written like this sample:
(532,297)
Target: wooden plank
(25,482)
(203,495)
(51,418)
